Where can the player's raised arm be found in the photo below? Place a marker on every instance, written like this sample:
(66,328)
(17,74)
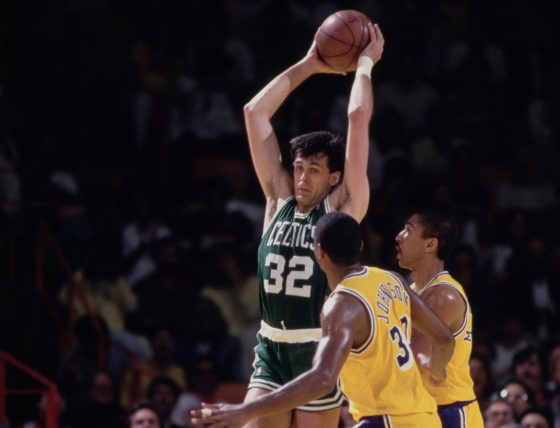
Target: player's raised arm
(265,150)
(353,197)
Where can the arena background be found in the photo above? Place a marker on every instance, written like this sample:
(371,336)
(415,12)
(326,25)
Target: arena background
(116,112)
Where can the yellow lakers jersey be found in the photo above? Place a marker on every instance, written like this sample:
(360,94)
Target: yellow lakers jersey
(458,386)
(381,377)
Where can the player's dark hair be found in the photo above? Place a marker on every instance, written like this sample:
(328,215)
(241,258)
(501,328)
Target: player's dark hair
(340,236)
(144,404)
(439,225)
(312,143)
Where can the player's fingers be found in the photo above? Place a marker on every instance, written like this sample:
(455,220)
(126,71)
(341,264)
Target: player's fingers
(372,33)
(379,34)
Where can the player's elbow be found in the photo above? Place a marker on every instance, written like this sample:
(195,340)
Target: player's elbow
(324,382)
(446,341)
(359,113)
(249,109)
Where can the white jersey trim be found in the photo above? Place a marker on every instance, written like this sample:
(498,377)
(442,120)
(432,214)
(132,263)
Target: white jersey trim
(372,331)
(277,213)
(302,335)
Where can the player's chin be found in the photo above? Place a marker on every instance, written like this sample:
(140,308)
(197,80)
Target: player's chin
(302,197)
(400,261)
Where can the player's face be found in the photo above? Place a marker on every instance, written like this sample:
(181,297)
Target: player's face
(144,418)
(410,245)
(312,180)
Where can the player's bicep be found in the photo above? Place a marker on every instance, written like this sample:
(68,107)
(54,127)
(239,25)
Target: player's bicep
(266,156)
(352,196)
(341,319)
(427,321)
(448,304)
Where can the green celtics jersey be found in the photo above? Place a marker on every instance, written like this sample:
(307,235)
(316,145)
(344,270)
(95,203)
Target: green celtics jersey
(292,287)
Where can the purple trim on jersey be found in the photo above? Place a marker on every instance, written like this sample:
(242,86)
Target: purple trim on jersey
(453,415)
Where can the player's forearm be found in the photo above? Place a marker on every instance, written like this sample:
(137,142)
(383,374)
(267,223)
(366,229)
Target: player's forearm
(360,106)
(271,97)
(360,109)
(299,391)
(357,148)
(441,354)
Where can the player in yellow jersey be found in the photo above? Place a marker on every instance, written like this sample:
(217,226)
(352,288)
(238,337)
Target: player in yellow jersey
(422,246)
(366,323)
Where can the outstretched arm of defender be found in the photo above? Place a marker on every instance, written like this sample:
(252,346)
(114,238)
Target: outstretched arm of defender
(353,197)
(342,317)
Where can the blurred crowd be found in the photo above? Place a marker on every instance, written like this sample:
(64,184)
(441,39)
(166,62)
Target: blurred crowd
(122,139)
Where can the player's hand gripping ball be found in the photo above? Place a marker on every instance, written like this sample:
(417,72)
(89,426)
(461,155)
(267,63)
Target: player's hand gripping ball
(341,38)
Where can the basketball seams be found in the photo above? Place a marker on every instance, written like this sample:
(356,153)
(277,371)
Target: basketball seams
(348,27)
(363,36)
(353,46)
(342,37)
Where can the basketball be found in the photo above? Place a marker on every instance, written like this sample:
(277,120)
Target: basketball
(341,38)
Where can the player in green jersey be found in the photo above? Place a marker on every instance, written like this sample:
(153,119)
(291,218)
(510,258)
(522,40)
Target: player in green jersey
(292,287)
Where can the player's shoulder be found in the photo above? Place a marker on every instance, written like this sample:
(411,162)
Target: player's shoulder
(391,275)
(445,292)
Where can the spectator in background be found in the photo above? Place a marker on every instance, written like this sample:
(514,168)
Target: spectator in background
(233,288)
(166,295)
(10,185)
(92,352)
(109,295)
(106,291)
(162,364)
(73,230)
(511,337)
(516,393)
(553,386)
(482,377)
(100,408)
(534,418)
(144,415)
(213,223)
(498,414)
(207,337)
(202,387)
(139,235)
(527,367)
(163,392)
(554,406)
(62,414)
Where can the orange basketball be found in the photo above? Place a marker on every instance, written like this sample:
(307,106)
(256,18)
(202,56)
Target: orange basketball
(341,38)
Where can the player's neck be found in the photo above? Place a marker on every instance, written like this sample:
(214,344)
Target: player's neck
(337,274)
(426,271)
(305,208)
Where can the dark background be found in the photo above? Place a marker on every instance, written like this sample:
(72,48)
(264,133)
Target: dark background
(127,97)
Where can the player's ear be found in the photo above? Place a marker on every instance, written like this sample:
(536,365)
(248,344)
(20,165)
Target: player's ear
(432,244)
(319,252)
(334,178)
